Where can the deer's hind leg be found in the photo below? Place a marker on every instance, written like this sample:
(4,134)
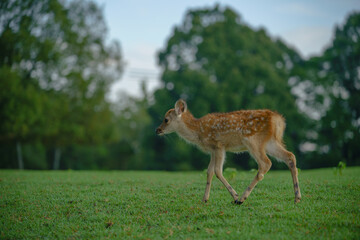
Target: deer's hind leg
(264,165)
(278,151)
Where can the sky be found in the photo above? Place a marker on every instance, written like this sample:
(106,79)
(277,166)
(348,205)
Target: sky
(143,28)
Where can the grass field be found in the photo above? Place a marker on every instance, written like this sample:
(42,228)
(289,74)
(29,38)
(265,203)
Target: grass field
(161,205)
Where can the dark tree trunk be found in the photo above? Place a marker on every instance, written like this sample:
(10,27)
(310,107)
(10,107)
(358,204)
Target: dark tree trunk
(19,156)
(57,156)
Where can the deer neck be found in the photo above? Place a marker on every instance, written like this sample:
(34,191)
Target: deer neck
(189,128)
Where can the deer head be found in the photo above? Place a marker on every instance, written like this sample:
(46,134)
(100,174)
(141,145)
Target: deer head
(172,118)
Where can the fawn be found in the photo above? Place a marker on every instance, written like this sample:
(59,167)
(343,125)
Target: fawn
(259,132)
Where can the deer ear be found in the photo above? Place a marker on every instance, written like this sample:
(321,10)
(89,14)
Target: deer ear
(180,107)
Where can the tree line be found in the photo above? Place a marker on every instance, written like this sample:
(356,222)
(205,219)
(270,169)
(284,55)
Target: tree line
(57,65)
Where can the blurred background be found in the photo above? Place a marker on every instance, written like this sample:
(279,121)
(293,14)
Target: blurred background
(84,84)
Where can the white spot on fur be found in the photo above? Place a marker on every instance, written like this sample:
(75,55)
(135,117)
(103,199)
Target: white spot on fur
(246,131)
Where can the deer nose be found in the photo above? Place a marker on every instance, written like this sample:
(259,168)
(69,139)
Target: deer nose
(158,131)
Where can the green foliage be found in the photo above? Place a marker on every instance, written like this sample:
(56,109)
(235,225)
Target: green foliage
(35,156)
(333,91)
(159,205)
(57,65)
(339,169)
(230,173)
(20,107)
(218,64)
(55,69)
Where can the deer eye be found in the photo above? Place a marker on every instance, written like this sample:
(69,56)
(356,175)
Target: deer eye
(166,120)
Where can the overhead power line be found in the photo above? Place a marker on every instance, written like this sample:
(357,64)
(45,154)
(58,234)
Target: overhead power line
(141,74)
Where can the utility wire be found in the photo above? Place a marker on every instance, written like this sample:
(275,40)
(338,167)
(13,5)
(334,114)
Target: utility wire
(141,74)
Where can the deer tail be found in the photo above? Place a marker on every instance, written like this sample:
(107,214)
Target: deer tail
(279,125)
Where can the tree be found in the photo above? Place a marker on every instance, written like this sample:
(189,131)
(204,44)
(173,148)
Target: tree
(218,63)
(55,70)
(333,92)
(132,121)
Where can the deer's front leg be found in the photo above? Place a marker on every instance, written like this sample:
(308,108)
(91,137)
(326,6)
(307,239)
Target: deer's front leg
(219,162)
(210,174)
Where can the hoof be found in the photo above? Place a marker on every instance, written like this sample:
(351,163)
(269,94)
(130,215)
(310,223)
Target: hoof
(205,201)
(297,200)
(238,202)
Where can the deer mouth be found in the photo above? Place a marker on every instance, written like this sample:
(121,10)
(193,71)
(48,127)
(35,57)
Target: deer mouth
(159,132)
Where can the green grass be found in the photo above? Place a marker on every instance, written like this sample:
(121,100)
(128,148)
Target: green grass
(160,205)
